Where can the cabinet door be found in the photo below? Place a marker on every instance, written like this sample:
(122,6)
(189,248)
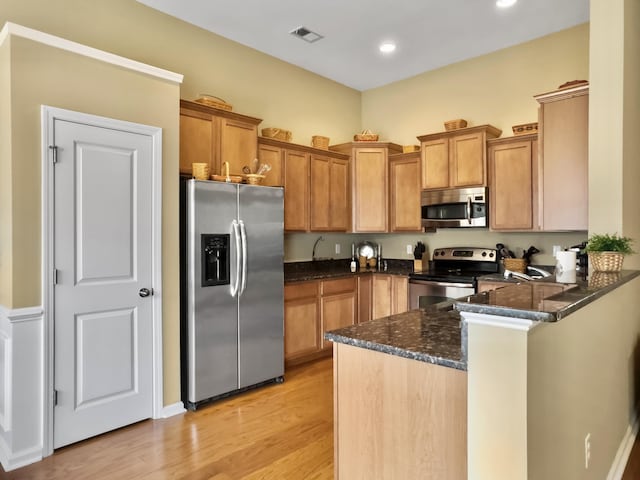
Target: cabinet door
(399,294)
(435,163)
(565,199)
(197,139)
(487,285)
(320,168)
(238,145)
(296,191)
(404,195)
(339,194)
(301,319)
(381,295)
(370,189)
(512,176)
(467,160)
(364,298)
(273,157)
(337,311)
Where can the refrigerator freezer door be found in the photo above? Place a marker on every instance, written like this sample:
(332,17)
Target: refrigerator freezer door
(261,312)
(212,313)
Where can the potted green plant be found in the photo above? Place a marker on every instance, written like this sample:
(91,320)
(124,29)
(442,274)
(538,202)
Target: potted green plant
(606,252)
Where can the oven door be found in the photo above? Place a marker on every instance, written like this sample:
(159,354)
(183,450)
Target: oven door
(423,293)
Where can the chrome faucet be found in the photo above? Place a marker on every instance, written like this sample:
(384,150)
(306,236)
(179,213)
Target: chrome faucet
(542,272)
(313,253)
(511,274)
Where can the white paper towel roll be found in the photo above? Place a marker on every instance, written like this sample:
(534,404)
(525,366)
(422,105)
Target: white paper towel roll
(566,267)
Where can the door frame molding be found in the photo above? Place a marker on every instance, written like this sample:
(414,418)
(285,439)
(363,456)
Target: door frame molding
(48,116)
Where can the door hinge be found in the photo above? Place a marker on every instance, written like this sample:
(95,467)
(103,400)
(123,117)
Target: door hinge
(54,153)
(55,276)
(55,398)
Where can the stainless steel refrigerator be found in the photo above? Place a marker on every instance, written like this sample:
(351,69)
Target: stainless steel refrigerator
(232,282)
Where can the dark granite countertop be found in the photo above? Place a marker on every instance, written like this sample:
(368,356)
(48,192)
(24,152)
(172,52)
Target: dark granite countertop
(544,300)
(432,336)
(330,269)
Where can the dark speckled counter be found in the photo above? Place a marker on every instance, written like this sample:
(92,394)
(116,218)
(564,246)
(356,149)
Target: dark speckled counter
(544,300)
(437,336)
(331,269)
(432,336)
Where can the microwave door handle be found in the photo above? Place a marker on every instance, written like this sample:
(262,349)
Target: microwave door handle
(469,210)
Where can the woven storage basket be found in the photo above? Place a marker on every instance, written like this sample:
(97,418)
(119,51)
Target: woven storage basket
(455,124)
(278,133)
(200,171)
(214,102)
(525,128)
(254,178)
(515,264)
(318,141)
(606,261)
(366,136)
(410,148)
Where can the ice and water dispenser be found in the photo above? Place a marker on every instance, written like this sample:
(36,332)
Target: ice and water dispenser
(215,254)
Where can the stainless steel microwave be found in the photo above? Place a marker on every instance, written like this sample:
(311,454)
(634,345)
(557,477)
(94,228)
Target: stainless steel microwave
(459,207)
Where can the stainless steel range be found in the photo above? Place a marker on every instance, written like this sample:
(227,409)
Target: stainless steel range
(453,274)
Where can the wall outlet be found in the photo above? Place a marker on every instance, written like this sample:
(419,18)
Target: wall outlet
(409,249)
(587,450)
(337,248)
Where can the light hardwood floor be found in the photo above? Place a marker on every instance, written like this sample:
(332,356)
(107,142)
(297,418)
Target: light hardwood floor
(275,432)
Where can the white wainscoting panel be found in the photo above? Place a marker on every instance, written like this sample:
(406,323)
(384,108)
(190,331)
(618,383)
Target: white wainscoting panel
(21,386)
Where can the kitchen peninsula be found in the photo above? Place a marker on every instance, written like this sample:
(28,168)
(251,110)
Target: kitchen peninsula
(503,386)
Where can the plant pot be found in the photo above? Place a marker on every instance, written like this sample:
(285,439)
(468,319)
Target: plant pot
(606,261)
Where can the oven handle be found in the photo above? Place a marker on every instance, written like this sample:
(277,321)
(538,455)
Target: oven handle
(440,284)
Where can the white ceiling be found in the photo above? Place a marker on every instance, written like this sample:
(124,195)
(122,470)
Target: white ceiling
(429,34)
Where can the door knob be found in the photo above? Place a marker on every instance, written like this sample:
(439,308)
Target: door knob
(145,292)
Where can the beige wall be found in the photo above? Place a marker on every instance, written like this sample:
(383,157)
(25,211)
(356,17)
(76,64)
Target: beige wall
(583,378)
(497,88)
(6,244)
(41,76)
(255,84)
(631,127)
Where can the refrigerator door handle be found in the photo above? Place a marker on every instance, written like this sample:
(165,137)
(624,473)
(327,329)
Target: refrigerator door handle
(236,234)
(244,257)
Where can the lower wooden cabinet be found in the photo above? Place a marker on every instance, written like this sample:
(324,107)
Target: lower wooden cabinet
(389,295)
(301,319)
(337,304)
(488,285)
(314,307)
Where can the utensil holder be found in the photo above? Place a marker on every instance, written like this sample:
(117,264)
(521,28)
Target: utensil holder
(515,264)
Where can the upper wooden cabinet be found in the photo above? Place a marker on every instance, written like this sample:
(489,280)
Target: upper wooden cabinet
(456,158)
(329,194)
(404,192)
(317,188)
(513,183)
(210,135)
(564,143)
(369,183)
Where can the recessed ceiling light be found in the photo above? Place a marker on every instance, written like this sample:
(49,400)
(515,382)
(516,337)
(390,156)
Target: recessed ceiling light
(505,3)
(387,47)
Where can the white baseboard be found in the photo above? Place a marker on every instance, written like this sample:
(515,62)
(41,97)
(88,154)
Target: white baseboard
(11,461)
(624,450)
(171,410)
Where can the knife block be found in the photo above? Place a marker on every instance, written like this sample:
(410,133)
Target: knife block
(422,264)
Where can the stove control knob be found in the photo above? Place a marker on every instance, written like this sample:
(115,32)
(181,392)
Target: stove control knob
(491,255)
(484,254)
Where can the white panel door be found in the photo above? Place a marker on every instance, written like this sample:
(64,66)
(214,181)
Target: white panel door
(103,348)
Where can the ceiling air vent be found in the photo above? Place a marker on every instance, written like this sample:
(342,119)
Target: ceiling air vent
(305,34)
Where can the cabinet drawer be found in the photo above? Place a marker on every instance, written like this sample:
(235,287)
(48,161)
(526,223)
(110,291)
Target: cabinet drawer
(294,291)
(329,287)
